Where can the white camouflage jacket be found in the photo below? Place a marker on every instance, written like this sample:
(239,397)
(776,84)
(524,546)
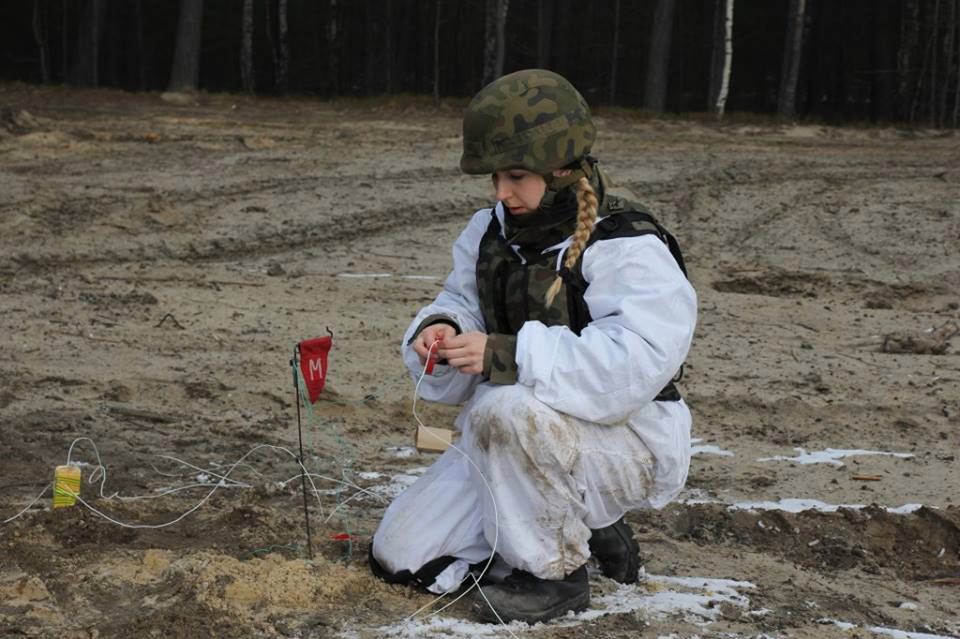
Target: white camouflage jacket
(644,313)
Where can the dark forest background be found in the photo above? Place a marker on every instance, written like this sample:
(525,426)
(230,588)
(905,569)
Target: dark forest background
(833,60)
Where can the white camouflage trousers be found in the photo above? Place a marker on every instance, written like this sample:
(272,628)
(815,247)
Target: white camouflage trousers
(538,482)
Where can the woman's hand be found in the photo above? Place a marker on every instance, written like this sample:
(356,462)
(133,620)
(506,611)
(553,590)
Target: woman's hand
(425,339)
(464,352)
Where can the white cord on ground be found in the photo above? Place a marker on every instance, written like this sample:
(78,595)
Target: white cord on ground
(206,471)
(36,499)
(359,489)
(99,472)
(224,478)
(205,497)
(175,489)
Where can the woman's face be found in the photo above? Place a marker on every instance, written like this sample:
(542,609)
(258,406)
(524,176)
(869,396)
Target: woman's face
(519,190)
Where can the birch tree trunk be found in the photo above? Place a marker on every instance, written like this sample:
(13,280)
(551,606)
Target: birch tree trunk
(494,39)
(185,73)
(716,55)
(616,51)
(727,59)
(247,78)
(658,63)
(792,53)
(40,37)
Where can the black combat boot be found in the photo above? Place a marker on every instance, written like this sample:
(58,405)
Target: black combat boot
(523,597)
(617,552)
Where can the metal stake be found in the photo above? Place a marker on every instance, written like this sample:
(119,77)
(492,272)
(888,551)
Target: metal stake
(303,467)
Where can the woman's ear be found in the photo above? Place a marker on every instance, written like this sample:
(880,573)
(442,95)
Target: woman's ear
(562,172)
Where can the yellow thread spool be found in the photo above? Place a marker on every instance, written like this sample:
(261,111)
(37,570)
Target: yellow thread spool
(66,486)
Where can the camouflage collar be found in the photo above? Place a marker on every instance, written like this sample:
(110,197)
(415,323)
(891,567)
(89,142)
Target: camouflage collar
(535,232)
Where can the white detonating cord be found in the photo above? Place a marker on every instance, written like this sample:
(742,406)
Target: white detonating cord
(36,499)
(100,472)
(496,515)
(206,497)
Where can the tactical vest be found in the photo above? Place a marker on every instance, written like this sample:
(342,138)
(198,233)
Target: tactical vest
(512,289)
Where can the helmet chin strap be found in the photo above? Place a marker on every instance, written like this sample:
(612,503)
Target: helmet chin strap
(556,184)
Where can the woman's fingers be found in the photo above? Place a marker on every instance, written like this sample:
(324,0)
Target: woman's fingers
(423,343)
(443,331)
(419,345)
(469,365)
(465,352)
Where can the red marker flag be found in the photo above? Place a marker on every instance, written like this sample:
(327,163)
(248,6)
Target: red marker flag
(313,364)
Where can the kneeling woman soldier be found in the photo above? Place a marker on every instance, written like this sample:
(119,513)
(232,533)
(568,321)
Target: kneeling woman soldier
(565,318)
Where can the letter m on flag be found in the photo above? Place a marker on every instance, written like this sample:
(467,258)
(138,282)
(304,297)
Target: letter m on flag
(313,364)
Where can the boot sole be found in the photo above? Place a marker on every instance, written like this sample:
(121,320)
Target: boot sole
(485,614)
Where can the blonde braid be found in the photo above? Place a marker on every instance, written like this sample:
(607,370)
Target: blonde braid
(586,218)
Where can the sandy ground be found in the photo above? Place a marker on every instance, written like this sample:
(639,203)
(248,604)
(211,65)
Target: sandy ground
(159,262)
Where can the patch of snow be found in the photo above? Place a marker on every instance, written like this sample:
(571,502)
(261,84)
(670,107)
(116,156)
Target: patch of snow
(697,599)
(888,632)
(906,509)
(401,452)
(707,449)
(799,505)
(398,483)
(791,505)
(830,456)
(697,502)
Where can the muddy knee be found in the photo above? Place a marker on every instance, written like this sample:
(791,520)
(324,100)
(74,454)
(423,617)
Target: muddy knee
(506,416)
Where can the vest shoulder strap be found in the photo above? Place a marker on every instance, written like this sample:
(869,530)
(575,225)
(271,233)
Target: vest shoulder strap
(633,223)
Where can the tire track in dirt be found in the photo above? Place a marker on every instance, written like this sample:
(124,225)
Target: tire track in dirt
(873,293)
(337,230)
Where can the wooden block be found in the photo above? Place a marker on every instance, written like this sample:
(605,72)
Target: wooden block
(433,440)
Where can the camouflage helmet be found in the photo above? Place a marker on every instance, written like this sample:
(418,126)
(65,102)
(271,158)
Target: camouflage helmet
(532,119)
